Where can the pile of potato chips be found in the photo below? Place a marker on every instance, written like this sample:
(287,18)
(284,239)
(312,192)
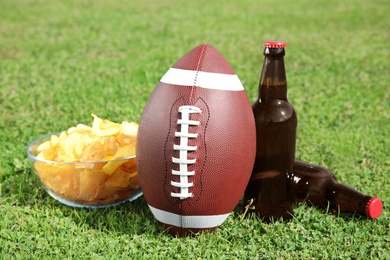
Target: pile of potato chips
(92,164)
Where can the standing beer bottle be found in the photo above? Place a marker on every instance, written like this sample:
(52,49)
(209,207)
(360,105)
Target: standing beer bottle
(269,192)
(317,186)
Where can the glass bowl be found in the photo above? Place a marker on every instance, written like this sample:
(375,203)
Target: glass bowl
(86,184)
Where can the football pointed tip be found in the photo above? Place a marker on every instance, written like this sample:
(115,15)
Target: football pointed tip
(204,58)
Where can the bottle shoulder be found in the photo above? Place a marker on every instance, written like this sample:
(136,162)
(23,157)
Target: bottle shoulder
(275,110)
(308,173)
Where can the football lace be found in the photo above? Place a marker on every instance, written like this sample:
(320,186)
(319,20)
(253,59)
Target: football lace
(183,161)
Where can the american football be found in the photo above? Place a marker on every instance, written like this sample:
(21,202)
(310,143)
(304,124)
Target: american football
(196,143)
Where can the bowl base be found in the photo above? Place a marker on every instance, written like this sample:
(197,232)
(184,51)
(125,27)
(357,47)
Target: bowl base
(66,202)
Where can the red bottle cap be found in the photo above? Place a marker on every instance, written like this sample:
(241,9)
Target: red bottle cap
(374,208)
(274,44)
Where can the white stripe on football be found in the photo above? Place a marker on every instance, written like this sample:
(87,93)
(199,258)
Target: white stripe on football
(202,79)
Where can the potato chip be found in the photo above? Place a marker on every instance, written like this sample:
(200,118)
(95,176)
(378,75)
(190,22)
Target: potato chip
(70,149)
(81,128)
(119,179)
(95,182)
(128,133)
(89,138)
(41,156)
(71,130)
(63,135)
(129,128)
(134,181)
(93,153)
(49,154)
(102,127)
(130,166)
(43,146)
(110,145)
(89,183)
(125,151)
(110,167)
(54,140)
(122,152)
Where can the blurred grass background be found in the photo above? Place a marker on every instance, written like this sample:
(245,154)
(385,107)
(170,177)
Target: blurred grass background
(60,61)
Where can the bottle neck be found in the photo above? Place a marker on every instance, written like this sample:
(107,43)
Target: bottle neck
(347,199)
(273,83)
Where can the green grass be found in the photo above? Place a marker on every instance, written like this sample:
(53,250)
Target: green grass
(60,61)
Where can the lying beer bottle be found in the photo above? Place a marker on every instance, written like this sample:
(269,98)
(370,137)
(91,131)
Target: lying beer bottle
(317,186)
(269,192)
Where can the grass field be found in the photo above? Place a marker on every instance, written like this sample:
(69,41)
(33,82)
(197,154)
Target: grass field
(60,61)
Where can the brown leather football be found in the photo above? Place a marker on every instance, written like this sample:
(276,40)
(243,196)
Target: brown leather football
(196,143)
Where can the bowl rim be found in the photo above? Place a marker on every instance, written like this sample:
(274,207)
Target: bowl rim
(36,140)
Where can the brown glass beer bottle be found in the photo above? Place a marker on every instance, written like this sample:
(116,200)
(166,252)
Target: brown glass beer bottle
(317,186)
(269,192)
